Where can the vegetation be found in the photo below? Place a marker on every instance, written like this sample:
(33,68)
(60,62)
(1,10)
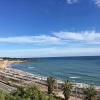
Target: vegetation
(34,93)
(90,93)
(66,88)
(26,93)
(50,83)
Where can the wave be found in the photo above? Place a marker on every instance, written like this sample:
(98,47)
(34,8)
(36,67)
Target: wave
(31,67)
(74,77)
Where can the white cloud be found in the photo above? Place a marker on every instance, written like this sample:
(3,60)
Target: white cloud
(86,37)
(31,39)
(71,1)
(97,2)
(51,52)
(62,37)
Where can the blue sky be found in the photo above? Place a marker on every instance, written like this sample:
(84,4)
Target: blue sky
(42,28)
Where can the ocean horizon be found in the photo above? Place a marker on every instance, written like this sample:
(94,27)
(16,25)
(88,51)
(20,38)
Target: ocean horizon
(83,69)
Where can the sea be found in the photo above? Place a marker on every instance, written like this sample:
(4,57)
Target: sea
(84,69)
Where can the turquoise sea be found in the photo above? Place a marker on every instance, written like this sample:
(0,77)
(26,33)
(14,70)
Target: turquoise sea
(81,69)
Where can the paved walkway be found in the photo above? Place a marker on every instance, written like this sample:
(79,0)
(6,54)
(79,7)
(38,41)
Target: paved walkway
(6,88)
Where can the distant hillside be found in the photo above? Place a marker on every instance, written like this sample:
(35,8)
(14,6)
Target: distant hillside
(10,59)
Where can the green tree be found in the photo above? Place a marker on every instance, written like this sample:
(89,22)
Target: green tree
(90,93)
(66,88)
(26,93)
(35,94)
(20,92)
(10,97)
(50,83)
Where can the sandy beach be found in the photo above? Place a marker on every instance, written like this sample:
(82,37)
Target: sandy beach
(6,63)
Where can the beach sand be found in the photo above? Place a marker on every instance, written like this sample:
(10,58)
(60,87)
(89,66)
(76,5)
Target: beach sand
(6,63)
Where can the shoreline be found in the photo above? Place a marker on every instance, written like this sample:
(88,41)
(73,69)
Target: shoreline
(37,78)
(44,78)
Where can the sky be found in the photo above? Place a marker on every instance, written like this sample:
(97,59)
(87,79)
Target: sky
(49,28)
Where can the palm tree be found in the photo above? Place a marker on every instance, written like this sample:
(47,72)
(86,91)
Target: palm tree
(50,83)
(66,88)
(90,93)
